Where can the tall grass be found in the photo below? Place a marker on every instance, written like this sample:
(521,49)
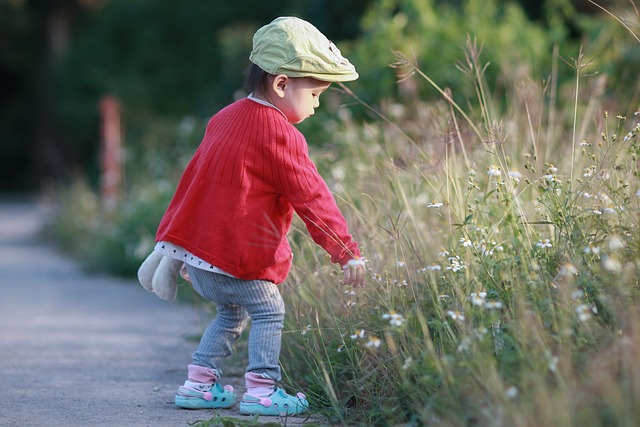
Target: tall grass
(503,259)
(502,244)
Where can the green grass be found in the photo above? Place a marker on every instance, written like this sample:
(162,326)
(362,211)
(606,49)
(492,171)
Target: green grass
(502,246)
(503,255)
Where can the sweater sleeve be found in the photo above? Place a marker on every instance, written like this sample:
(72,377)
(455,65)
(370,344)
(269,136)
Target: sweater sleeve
(299,181)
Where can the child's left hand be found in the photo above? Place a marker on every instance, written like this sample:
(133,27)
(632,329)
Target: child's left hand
(354,273)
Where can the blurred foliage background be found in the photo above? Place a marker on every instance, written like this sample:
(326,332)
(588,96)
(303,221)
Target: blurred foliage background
(171,65)
(166,61)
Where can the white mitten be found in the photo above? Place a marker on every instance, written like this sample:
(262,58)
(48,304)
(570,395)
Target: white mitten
(158,274)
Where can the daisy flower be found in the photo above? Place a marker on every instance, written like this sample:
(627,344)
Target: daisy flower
(466,242)
(360,333)
(493,305)
(494,170)
(455,315)
(395,319)
(544,243)
(374,342)
(478,299)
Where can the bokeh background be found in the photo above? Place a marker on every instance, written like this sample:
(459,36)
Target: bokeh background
(168,61)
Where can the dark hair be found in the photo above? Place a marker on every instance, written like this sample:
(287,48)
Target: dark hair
(256,80)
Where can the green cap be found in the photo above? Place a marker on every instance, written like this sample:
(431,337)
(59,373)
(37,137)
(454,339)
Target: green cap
(295,48)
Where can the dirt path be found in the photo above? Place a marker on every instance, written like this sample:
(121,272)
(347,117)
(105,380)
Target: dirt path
(77,349)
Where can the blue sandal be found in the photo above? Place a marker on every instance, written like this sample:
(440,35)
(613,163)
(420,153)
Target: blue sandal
(217,397)
(278,403)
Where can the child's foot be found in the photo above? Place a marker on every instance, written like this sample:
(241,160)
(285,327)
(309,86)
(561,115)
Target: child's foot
(194,395)
(277,403)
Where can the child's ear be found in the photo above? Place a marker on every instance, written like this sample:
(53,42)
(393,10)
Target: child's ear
(279,83)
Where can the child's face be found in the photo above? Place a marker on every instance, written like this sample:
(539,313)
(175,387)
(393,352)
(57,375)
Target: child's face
(299,97)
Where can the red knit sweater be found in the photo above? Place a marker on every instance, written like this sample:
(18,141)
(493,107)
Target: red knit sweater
(234,203)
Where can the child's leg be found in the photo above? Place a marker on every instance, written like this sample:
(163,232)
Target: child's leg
(266,309)
(218,339)
(231,319)
(265,306)
(201,390)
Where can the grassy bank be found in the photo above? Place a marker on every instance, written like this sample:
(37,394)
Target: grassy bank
(502,242)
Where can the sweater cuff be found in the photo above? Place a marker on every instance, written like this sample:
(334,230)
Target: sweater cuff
(343,261)
(342,254)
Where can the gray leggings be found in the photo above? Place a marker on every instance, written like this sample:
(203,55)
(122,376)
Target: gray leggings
(237,302)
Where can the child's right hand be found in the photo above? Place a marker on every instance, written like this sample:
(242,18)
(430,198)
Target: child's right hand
(354,273)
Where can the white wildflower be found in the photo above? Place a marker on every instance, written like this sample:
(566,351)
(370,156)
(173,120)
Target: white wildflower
(589,171)
(466,242)
(478,299)
(434,204)
(612,265)
(511,392)
(544,243)
(400,284)
(473,184)
(360,333)
(516,175)
(493,305)
(456,264)
(585,310)
(395,319)
(455,315)
(407,363)
(374,342)
(494,170)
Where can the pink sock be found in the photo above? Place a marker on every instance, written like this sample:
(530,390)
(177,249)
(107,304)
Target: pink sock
(259,385)
(202,374)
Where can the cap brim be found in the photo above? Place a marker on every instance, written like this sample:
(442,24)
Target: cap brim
(333,78)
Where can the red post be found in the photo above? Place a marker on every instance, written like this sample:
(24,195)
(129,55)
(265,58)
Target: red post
(111,152)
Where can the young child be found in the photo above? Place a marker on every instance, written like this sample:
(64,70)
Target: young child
(234,204)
